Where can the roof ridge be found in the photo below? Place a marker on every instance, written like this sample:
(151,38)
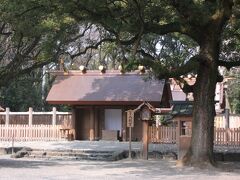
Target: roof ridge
(95,72)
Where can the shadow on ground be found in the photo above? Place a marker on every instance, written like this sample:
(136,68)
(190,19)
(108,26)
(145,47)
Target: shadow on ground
(156,168)
(19,163)
(123,168)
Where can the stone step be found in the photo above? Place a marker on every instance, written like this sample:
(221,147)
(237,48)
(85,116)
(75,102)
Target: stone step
(67,154)
(77,155)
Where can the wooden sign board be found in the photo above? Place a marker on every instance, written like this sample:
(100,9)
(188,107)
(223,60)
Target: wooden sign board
(146,114)
(130,118)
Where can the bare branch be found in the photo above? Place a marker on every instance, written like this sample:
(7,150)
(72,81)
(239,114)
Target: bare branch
(163,72)
(95,46)
(170,28)
(229,64)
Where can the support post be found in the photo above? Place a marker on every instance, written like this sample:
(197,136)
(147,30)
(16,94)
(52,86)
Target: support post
(74,121)
(54,116)
(96,125)
(226,118)
(30,116)
(130,143)
(124,125)
(227,125)
(145,140)
(7,116)
(92,126)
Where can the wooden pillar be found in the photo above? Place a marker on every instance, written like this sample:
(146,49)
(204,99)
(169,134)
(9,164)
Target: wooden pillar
(92,126)
(7,116)
(54,116)
(226,118)
(73,123)
(227,124)
(101,121)
(178,130)
(30,117)
(96,123)
(124,124)
(145,140)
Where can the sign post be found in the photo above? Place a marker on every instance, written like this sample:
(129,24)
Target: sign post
(130,124)
(145,116)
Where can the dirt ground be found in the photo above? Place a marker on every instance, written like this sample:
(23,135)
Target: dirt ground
(124,169)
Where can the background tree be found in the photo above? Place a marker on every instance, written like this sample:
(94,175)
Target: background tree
(233,90)
(23,92)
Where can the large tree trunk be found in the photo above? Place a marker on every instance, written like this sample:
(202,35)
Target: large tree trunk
(201,149)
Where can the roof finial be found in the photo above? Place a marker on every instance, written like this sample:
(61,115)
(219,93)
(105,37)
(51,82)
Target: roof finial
(141,69)
(102,69)
(121,69)
(83,69)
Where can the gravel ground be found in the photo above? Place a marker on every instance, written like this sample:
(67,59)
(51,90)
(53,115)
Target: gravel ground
(89,145)
(131,169)
(103,146)
(26,169)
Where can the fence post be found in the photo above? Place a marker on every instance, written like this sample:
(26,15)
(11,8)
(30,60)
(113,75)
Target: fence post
(30,117)
(7,116)
(54,116)
(226,118)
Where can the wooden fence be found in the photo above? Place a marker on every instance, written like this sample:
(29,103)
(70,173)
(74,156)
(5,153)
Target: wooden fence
(36,126)
(162,134)
(222,136)
(220,121)
(227,136)
(36,118)
(30,133)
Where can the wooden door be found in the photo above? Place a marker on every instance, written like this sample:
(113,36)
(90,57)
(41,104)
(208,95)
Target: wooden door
(82,124)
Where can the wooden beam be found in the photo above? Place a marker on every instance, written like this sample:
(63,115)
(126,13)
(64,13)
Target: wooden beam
(73,123)
(7,119)
(30,117)
(54,116)
(96,123)
(124,124)
(145,140)
(92,126)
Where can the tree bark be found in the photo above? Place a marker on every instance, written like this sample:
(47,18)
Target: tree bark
(201,149)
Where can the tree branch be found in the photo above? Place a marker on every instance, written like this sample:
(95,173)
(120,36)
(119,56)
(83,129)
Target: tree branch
(95,46)
(170,28)
(186,88)
(229,64)
(162,72)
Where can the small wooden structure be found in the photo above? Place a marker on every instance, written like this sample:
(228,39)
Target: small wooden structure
(146,111)
(182,116)
(100,100)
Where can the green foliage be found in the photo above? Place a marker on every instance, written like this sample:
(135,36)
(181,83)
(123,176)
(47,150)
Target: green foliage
(26,91)
(22,93)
